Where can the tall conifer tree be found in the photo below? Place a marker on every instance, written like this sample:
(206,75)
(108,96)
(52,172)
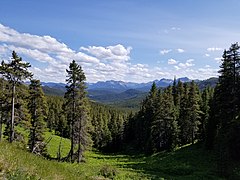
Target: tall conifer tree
(77,111)
(194,110)
(38,111)
(14,72)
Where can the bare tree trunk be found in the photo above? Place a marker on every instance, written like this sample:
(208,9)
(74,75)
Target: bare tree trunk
(12,115)
(1,119)
(34,128)
(72,123)
(72,144)
(79,155)
(79,142)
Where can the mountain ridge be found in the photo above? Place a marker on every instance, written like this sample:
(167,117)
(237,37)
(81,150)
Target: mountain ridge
(120,85)
(119,93)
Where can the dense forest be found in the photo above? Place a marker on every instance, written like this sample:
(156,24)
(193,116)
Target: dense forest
(168,118)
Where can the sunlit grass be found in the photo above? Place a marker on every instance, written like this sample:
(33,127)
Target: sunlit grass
(189,162)
(53,144)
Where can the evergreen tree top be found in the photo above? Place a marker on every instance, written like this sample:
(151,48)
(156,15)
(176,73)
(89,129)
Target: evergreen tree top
(16,70)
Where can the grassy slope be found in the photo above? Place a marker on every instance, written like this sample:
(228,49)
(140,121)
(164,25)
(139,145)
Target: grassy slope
(190,162)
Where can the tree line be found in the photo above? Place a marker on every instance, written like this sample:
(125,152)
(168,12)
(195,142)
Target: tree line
(72,116)
(182,114)
(170,118)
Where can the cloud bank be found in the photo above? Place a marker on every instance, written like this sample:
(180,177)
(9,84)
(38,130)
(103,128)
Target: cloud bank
(50,58)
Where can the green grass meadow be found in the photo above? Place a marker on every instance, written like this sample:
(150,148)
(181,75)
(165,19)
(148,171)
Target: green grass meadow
(189,162)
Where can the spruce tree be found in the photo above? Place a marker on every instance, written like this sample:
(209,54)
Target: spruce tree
(183,120)
(164,130)
(223,124)
(149,109)
(207,96)
(175,92)
(212,122)
(3,103)
(37,108)
(194,110)
(14,72)
(76,107)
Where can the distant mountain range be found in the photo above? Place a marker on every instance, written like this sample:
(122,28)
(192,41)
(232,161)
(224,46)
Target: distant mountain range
(128,94)
(118,86)
(123,86)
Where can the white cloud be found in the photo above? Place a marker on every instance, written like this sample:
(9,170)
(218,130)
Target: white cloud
(190,60)
(118,52)
(172,61)
(187,64)
(200,73)
(177,68)
(165,51)
(212,49)
(180,50)
(34,54)
(207,66)
(43,43)
(207,55)
(217,59)
(50,58)
(81,57)
(207,72)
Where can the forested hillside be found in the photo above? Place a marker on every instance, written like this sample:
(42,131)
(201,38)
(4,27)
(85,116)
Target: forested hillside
(127,99)
(181,114)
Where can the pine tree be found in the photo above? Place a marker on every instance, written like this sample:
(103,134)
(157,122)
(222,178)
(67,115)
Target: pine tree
(226,91)
(164,130)
(14,72)
(194,110)
(37,108)
(223,125)
(158,125)
(212,122)
(180,92)
(207,96)
(183,120)
(76,107)
(56,117)
(3,104)
(175,92)
(149,109)
(129,130)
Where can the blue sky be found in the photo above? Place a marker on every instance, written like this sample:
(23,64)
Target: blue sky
(129,40)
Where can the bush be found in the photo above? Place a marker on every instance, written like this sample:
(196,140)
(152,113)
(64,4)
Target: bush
(108,171)
(20,175)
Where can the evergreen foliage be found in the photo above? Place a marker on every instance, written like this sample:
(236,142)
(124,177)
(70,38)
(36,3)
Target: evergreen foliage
(38,111)
(14,72)
(167,119)
(223,125)
(4,107)
(77,112)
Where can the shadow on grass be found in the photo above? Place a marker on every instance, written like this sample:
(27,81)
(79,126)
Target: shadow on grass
(191,162)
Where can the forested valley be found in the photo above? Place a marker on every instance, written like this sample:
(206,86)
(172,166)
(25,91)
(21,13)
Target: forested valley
(172,125)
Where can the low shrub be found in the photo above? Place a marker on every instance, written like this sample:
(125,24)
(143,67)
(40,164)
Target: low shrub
(108,171)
